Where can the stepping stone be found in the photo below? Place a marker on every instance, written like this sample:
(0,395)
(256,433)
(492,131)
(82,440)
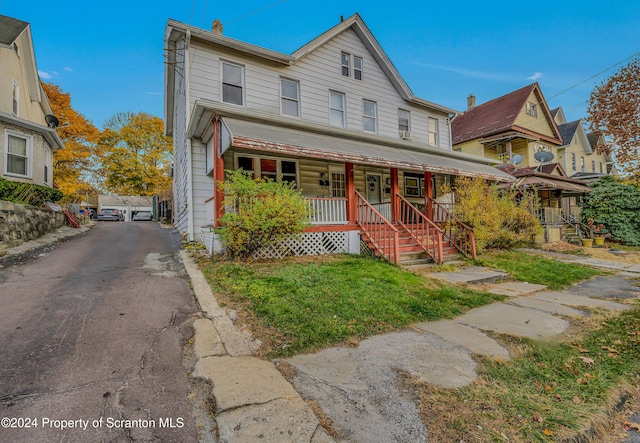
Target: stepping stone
(473,339)
(579,300)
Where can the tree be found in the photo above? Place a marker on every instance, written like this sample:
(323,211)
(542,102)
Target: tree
(263,211)
(614,111)
(72,166)
(616,205)
(137,154)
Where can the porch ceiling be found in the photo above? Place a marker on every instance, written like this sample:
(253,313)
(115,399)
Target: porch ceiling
(287,141)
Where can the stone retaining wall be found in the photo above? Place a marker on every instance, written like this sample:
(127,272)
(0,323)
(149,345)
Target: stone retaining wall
(21,223)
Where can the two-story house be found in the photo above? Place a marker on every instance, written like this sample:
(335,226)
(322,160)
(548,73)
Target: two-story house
(27,125)
(335,117)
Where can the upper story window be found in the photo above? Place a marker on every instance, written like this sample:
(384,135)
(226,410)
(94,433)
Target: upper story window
(600,167)
(531,109)
(18,154)
(232,83)
(583,168)
(573,161)
(290,97)
(346,64)
(337,109)
(16,99)
(593,166)
(351,66)
(433,131)
(404,123)
(357,68)
(369,116)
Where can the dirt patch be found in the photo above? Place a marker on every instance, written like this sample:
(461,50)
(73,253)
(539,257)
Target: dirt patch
(606,254)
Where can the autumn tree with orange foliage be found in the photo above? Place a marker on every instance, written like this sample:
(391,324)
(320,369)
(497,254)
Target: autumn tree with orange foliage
(72,166)
(137,154)
(614,112)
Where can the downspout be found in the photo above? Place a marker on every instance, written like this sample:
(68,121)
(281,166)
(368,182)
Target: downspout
(187,95)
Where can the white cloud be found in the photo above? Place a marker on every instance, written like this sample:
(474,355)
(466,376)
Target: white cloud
(535,76)
(45,75)
(68,69)
(468,72)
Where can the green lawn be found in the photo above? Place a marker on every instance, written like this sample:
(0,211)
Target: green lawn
(326,301)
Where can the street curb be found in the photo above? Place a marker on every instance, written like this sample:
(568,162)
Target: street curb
(223,356)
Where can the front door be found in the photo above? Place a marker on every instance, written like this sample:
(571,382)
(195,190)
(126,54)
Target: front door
(374,194)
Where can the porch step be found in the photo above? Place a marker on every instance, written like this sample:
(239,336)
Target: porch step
(570,236)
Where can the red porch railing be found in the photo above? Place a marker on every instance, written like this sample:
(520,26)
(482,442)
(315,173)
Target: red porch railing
(381,233)
(454,230)
(421,229)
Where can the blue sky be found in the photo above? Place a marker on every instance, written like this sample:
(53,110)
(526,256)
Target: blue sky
(109,55)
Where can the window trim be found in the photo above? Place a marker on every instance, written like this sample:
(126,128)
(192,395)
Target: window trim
(573,161)
(435,132)
(373,118)
(283,98)
(242,82)
(257,172)
(338,171)
(346,65)
(343,110)
(358,72)
(15,99)
(28,154)
(531,109)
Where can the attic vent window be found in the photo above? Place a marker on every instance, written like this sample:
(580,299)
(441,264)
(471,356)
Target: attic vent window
(531,109)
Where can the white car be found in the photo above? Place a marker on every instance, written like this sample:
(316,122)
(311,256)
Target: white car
(143,216)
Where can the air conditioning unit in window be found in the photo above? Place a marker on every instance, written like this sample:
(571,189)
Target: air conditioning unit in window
(405,135)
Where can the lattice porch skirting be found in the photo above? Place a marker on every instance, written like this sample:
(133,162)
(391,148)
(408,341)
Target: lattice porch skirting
(307,243)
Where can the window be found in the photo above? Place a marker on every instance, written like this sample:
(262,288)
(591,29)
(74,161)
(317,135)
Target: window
(433,131)
(346,61)
(338,184)
(337,109)
(582,166)
(531,109)
(18,154)
(369,116)
(271,168)
(411,186)
(600,167)
(16,96)
(403,121)
(573,161)
(357,68)
(346,68)
(593,166)
(290,101)
(232,84)
(47,162)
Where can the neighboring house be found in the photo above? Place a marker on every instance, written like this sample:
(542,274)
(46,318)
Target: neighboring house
(129,205)
(520,130)
(578,155)
(27,125)
(335,117)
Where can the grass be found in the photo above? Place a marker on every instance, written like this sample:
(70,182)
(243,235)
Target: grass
(546,392)
(310,304)
(534,269)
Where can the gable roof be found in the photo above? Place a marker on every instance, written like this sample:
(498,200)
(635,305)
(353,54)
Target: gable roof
(10,29)
(499,115)
(568,130)
(550,176)
(355,22)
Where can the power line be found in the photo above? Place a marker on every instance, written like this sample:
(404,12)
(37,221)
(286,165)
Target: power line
(596,75)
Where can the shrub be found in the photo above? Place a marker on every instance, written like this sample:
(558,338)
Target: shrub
(27,193)
(500,219)
(258,212)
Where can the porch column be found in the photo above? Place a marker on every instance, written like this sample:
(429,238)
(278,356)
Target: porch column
(395,206)
(218,173)
(428,195)
(351,193)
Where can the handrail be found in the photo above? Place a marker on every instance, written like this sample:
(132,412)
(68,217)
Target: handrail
(381,233)
(454,230)
(578,225)
(426,233)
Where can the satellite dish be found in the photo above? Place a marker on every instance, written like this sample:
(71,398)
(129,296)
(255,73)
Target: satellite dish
(516,159)
(543,156)
(52,121)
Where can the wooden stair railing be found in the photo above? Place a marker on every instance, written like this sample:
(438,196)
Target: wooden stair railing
(422,230)
(454,230)
(381,233)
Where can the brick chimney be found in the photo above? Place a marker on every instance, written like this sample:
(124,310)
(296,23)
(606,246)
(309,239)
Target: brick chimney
(216,27)
(471,102)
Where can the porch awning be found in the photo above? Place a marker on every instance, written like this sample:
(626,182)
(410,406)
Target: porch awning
(287,141)
(549,183)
